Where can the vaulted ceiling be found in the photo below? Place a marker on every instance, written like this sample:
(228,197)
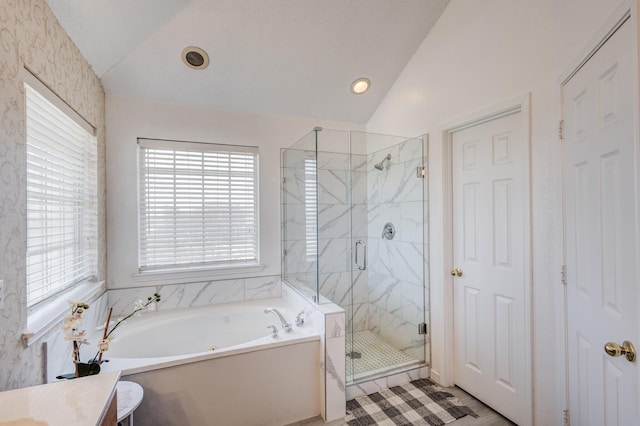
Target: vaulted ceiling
(289,57)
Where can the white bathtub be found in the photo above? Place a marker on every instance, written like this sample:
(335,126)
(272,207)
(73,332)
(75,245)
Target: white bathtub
(168,338)
(250,378)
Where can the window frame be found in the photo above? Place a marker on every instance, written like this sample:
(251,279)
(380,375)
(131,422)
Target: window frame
(32,83)
(187,272)
(44,314)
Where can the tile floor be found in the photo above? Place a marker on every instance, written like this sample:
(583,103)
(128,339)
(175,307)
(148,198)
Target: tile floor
(487,417)
(376,356)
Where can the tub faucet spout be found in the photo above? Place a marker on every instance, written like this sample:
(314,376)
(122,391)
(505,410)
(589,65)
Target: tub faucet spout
(286,326)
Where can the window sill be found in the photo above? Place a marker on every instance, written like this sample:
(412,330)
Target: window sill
(181,276)
(39,322)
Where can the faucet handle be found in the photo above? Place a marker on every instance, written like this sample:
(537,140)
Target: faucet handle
(300,319)
(274,331)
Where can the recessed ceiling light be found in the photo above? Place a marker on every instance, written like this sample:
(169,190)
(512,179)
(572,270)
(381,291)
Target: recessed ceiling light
(195,58)
(360,86)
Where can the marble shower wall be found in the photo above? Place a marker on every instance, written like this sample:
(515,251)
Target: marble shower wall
(387,298)
(31,37)
(337,214)
(334,217)
(396,267)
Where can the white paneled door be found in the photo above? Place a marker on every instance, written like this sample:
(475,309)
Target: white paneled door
(601,196)
(490,233)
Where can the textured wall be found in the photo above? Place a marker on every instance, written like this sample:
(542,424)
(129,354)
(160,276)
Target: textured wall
(31,37)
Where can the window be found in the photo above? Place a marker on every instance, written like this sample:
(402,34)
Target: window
(311,207)
(198,205)
(62,230)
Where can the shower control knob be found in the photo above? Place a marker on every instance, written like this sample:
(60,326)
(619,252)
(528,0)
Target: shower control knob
(389,231)
(457,272)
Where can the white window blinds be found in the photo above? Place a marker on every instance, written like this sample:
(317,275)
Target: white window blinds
(61,199)
(311,207)
(198,204)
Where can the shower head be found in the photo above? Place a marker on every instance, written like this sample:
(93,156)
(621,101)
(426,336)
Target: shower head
(380,165)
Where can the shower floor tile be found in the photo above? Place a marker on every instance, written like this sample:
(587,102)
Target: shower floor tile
(377,356)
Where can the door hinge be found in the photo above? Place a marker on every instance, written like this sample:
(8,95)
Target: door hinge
(563,274)
(421,172)
(561,130)
(422,328)
(566,418)
(284,180)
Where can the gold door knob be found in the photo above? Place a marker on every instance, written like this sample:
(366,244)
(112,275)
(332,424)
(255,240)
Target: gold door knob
(457,272)
(615,350)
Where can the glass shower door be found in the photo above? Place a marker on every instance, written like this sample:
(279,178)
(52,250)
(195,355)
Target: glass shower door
(353,227)
(388,256)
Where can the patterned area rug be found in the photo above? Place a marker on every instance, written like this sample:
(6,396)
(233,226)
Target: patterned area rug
(420,402)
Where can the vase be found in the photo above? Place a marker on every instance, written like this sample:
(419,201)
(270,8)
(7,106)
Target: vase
(88,369)
(84,369)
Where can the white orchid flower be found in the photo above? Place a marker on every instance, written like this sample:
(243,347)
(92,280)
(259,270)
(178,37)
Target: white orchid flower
(103,345)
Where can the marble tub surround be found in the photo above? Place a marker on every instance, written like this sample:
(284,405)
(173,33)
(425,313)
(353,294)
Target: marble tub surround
(332,347)
(196,388)
(334,363)
(188,335)
(335,380)
(205,293)
(57,350)
(302,304)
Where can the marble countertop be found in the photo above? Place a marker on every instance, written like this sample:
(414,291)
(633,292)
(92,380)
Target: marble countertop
(82,401)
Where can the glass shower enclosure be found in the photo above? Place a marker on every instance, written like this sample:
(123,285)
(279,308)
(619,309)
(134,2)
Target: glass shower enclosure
(353,233)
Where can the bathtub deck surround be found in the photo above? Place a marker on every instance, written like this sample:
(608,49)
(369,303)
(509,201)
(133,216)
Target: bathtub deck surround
(200,377)
(202,333)
(273,386)
(217,385)
(122,301)
(334,362)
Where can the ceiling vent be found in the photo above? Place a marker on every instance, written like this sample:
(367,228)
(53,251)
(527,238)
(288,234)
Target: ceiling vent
(195,58)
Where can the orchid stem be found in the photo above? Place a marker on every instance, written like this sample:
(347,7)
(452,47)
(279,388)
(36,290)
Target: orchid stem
(107,333)
(76,357)
(106,330)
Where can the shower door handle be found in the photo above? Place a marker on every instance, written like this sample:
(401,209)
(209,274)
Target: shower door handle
(364,255)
